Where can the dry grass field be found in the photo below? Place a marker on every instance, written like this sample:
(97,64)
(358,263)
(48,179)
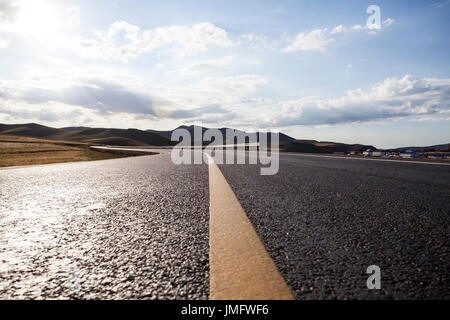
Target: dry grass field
(20,151)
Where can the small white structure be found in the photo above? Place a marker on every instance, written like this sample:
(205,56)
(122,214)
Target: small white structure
(410,154)
(377,153)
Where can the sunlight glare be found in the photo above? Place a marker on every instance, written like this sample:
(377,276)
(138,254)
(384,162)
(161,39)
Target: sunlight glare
(40,19)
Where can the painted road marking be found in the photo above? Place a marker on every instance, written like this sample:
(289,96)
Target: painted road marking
(240,266)
(152,149)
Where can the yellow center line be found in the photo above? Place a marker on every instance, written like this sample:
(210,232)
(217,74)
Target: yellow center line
(240,266)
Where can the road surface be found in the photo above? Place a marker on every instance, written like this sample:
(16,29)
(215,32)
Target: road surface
(139,227)
(124,228)
(324,220)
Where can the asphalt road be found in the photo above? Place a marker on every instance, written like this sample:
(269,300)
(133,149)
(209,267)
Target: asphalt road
(325,220)
(124,228)
(138,227)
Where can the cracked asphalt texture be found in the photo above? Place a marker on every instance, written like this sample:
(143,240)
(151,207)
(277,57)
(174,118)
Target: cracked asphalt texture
(134,228)
(325,220)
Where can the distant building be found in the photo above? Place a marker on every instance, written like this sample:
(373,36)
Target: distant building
(377,153)
(410,154)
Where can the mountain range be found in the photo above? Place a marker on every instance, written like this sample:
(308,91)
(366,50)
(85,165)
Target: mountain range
(118,137)
(437,147)
(136,137)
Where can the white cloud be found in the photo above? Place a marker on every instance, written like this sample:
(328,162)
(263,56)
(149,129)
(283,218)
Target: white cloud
(441,4)
(253,41)
(3,43)
(387,22)
(390,99)
(92,89)
(227,92)
(180,40)
(98,95)
(339,29)
(384,24)
(122,26)
(319,39)
(209,113)
(203,66)
(315,40)
(232,88)
(92,92)
(8,11)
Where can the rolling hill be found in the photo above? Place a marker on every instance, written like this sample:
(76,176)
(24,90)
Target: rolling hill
(283,137)
(121,137)
(312,146)
(437,147)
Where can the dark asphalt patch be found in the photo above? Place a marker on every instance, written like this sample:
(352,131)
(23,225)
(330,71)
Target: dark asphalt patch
(324,221)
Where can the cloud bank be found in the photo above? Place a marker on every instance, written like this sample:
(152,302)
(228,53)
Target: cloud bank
(320,39)
(392,98)
(124,41)
(222,99)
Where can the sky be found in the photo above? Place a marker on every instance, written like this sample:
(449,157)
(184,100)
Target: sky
(327,70)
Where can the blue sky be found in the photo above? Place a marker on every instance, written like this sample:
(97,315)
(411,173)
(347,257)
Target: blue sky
(311,69)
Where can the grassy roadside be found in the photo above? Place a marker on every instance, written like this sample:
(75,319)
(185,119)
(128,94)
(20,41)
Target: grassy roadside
(21,151)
